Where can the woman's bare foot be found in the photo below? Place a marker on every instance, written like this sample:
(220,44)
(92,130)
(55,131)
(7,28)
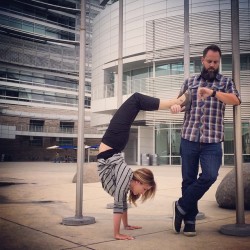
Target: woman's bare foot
(123,237)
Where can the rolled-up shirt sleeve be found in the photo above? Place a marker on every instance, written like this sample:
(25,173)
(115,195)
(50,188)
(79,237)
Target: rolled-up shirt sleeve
(231,88)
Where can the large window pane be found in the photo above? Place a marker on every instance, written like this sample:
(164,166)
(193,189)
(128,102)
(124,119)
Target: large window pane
(229,145)
(27,26)
(162,142)
(40,29)
(65,141)
(139,77)
(177,68)
(4,20)
(175,143)
(191,67)
(13,22)
(162,70)
(197,65)
(36,141)
(67,127)
(36,125)
(227,63)
(246,142)
(229,139)
(139,73)
(244,62)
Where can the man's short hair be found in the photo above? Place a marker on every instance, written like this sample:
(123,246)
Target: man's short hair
(212,47)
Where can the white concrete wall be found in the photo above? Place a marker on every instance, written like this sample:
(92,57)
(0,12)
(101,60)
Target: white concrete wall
(106,34)
(136,14)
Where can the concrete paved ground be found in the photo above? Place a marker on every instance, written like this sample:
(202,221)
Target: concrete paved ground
(31,212)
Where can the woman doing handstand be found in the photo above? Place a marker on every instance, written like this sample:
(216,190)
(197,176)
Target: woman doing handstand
(116,177)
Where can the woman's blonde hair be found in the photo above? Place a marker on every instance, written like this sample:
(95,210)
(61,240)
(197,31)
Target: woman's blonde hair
(144,176)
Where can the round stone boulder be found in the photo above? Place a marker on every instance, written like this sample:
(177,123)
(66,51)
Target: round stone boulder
(90,174)
(226,191)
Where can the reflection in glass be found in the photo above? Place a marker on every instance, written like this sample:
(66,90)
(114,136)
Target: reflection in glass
(162,148)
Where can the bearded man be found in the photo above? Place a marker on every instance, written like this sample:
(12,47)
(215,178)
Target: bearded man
(201,136)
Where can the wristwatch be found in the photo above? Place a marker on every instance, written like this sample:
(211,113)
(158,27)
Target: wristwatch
(214,93)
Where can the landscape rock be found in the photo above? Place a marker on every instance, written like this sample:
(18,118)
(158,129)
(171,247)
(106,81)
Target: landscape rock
(90,174)
(226,191)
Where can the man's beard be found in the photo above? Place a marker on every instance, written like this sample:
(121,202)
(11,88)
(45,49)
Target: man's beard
(209,74)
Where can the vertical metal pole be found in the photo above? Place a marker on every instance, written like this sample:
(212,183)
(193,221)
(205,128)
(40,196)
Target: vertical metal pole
(81,96)
(120,66)
(79,219)
(186,40)
(154,57)
(200,215)
(240,228)
(120,55)
(237,113)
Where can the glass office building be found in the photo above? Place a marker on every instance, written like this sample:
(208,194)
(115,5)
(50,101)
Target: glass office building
(153,64)
(39,68)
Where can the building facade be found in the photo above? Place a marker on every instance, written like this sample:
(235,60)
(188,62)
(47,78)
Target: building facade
(39,69)
(153,64)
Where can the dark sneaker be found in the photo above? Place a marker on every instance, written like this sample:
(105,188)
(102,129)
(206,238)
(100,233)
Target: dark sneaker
(188,100)
(189,230)
(177,218)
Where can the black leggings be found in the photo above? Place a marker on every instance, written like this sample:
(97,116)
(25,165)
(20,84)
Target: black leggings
(117,133)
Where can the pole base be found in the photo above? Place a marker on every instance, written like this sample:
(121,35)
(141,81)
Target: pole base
(236,229)
(74,221)
(200,216)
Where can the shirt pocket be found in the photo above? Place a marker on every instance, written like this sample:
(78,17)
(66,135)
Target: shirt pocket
(194,87)
(220,87)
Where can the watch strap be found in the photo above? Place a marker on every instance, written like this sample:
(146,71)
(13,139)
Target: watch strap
(214,93)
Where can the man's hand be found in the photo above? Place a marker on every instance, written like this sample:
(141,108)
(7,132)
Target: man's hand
(203,93)
(123,237)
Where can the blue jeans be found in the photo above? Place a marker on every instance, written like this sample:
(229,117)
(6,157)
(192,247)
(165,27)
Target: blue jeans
(193,186)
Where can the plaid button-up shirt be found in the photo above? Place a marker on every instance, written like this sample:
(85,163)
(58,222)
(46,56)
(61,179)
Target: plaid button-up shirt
(204,122)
